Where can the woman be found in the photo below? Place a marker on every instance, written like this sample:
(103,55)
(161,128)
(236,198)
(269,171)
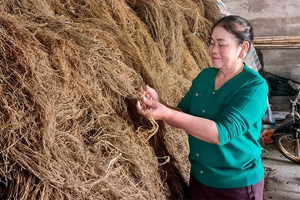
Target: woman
(222,113)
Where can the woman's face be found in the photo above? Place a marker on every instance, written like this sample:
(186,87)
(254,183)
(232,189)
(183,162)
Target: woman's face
(224,49)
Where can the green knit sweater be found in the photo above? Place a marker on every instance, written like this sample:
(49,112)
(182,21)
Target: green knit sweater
(237,108)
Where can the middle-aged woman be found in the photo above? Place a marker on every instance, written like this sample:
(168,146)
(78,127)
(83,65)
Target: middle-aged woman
(222,114)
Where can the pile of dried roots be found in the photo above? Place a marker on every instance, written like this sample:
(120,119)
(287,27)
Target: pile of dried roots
(69,74)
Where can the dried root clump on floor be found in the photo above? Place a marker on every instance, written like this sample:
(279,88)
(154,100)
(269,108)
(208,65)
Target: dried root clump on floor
(69,75)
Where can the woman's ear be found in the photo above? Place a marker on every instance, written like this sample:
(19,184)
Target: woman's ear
(244,51)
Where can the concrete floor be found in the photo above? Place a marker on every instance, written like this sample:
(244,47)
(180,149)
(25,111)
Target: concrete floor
(282,177)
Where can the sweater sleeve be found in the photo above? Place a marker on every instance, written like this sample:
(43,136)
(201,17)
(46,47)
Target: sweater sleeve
(246,108)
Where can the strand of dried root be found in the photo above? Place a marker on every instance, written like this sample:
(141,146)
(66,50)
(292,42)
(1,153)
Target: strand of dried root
(154,124)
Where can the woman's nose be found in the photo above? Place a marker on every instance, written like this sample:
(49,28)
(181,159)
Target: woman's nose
(213,48)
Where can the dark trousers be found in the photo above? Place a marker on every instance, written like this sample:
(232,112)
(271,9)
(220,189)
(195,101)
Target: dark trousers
(199,191)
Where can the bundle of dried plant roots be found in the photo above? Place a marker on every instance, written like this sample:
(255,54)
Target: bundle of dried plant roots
(69,74)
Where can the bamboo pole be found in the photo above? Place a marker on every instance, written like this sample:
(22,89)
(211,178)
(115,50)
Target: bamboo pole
(279,42)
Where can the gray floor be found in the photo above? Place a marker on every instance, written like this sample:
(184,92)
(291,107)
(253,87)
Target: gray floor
(282,177)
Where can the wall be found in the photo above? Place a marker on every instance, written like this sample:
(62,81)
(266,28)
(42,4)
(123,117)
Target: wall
(273,18)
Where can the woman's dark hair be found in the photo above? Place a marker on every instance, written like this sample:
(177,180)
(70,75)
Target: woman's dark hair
(238,26)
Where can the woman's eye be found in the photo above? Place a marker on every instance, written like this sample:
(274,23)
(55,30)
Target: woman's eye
(222,45)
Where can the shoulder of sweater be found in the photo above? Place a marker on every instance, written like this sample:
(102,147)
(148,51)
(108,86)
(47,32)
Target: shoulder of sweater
(205,74)
(253,76)
(207,71)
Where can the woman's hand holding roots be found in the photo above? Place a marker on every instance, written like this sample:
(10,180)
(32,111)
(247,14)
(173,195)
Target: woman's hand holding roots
(148,104)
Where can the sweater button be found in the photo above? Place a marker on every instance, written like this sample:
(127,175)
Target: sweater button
(203,111)
(196,94)
(201,172)
(197,154)
(214,93)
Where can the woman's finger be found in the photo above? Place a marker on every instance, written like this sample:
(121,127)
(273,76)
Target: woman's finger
(148,102)
(147,88)
(147,95)
(140,108)
(143,110)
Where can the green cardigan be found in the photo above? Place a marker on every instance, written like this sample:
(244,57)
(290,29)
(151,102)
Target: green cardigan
(237,108)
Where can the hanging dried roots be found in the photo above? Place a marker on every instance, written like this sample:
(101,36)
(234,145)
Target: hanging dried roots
(69,73)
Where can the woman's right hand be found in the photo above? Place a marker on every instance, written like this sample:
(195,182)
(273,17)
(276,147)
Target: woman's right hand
(150,93)
(149,106)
